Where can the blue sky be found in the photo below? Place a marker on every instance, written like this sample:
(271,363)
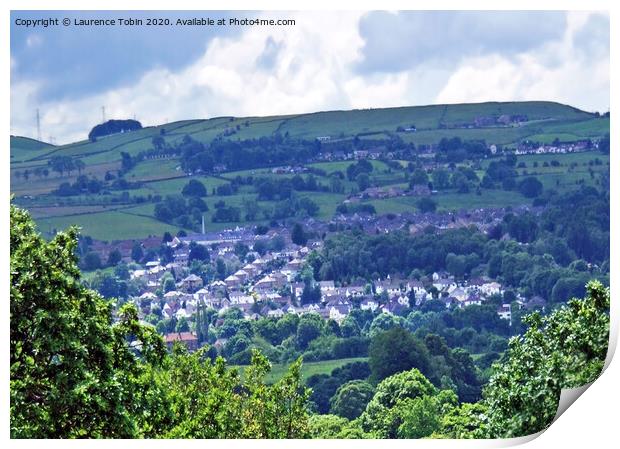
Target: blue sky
(327,60)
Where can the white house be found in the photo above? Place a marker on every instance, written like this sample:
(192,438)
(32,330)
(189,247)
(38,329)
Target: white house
(505,312)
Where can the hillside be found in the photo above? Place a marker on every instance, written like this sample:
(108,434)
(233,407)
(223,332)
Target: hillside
(130,209)
(25,148)
(432,123)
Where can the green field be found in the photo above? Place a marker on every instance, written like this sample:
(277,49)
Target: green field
(115,214)
(308,369)
(109,225)
(450,200)
(546,119)
(155,169)
(24,148)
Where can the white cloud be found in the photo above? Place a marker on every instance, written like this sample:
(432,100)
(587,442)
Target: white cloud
(33,40)
(309,74)
(312,66)
(557,72)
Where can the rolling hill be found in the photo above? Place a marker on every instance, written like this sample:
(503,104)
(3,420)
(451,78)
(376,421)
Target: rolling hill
(507,123)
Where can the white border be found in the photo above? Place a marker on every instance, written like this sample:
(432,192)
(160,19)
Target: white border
(590,421)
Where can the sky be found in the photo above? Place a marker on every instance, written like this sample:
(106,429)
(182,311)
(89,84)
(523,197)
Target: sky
(328,60)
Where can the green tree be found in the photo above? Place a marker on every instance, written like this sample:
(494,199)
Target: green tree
(158,142)
(326,426)
(91,261)
(422,416)
(466,421)
(198,252)
(298,236)
(310,327)
(121,271)
(73,373)
(384,322)
(378,417)
(114,257)
(136,251)
(394,351)
(209,401)
(194,188)
(426,204)
(441,179)
(418,177)
(363,181)
(202,323)
(182,325)
(351,399)
(530,187)
(168,283)
(565,349)
(603,144)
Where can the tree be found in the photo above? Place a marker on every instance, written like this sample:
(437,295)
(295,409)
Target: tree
(251,208)
(241,250)
(136,251)
(351,399)
(327,426)
(441,179)
(113,127)
(121,271)
(182,325)
(422,416)
(168,284)
(311,294)
(384,322)
(565,349)
(61,164)
(127,163)
(530,187)
(349,328)
(309,328)
(298,236)
(377,417)
(91,261)
(210,401)
(462,422)
(455,265)
(418,177)
(202,323)
(426,204)
(194,188)
(158,142)
(363,181)
(114,257)
(73,373)
(109,286)
(394,351)
(198,252)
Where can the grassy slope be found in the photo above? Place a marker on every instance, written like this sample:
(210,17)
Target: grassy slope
(308,369)
(547,121)
(109,225)
(334,123)
(121,221)
(24,148)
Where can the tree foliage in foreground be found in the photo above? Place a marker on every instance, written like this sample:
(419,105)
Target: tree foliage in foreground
(73,373)
(208,400)
(77,373)
(351,399)
(566,349)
